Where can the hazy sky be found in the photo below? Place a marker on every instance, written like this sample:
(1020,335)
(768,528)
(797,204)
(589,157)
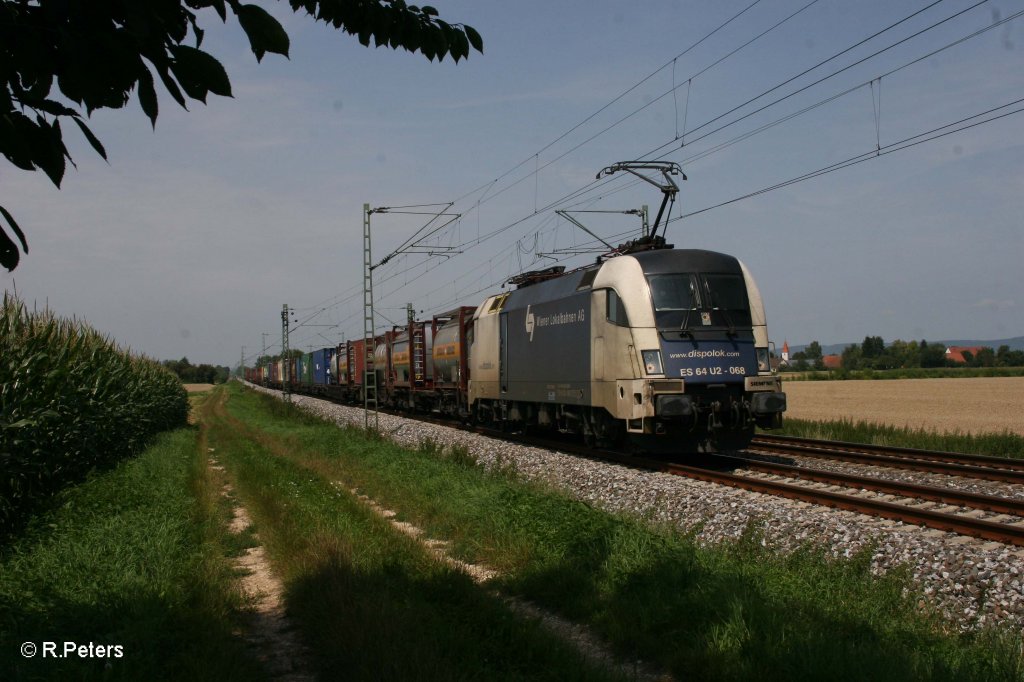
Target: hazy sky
(193,236)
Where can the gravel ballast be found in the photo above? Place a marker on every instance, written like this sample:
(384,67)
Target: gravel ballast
(974,582)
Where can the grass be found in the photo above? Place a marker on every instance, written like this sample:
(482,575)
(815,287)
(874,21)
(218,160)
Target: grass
(992,444)
(733,612)
(133,557)
(371,602)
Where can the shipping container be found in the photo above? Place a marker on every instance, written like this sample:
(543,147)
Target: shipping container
(410,360)
(382,366)
(306,369)
(357,362)
(321,366)
(336,378)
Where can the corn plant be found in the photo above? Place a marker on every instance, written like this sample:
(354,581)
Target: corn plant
(70,401)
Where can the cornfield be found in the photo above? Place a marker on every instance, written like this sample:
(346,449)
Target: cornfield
(71,400)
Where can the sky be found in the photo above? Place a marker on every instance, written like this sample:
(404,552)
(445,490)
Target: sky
(191,238)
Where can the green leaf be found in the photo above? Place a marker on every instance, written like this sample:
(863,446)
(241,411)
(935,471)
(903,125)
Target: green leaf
(147,95)
(171,86)
(221,9)
(474,38)
(52,108)
(459,46)
(47,148)
(9,255)
(264,31)
(14,226)
(93,140)
(199,73)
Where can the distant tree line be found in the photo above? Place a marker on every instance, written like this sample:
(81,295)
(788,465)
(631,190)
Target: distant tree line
(872,353)
(808,358)
(197,374)
(264,359)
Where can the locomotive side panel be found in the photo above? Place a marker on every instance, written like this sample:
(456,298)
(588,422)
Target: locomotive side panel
(623,320)
(544,354)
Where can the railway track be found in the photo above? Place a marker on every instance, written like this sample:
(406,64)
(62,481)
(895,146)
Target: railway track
(949,463)
(908,503)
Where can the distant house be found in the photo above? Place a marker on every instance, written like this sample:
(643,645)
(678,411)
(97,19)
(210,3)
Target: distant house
(956,353)
(832,361)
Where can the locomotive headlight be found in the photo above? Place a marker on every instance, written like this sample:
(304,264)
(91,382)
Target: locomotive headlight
(763,363)
(652,361)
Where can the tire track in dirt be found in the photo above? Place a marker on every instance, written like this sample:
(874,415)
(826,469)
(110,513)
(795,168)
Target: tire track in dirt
(272,635)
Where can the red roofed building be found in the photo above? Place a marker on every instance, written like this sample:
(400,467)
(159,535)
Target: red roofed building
(956,353)
(832,361)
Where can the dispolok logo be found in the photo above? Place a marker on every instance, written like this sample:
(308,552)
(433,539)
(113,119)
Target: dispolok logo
(529,322)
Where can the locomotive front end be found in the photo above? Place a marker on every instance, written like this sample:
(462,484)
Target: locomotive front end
(703,343)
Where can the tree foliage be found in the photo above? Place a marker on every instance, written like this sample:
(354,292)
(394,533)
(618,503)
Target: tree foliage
(197,374)
(874,354)
(60,58)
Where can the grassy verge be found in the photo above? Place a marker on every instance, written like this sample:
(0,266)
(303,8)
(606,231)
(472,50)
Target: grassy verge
(737,612)
(992,444)
(371,602)
(133,557)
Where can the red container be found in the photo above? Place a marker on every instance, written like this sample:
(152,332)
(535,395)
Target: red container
(357,362)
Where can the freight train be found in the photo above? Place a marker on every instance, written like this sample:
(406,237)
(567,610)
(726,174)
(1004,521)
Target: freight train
(659,350)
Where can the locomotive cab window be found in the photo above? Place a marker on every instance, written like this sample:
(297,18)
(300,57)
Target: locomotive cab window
(674,292)
(588,279)
(497,303)
(616,309)
(688,300)
(728,293)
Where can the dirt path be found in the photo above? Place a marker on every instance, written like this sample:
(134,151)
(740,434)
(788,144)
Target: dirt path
(971,405)
(574,634)
(272,635)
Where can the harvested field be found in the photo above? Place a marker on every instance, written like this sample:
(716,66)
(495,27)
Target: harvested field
(974,405)
(198,388)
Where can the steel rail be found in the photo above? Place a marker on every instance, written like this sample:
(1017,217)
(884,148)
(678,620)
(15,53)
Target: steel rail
(824,450)
(960,498)
(894,451)
(964,525)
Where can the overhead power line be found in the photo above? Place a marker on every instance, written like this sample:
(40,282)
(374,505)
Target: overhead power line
(900,145)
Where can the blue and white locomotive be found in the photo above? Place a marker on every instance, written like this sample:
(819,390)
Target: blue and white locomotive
(666,349)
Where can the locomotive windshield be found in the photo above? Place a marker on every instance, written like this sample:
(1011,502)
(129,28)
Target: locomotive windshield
(678,296)
(674,292)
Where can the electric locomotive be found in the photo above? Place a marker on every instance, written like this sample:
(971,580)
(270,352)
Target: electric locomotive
(667,349)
